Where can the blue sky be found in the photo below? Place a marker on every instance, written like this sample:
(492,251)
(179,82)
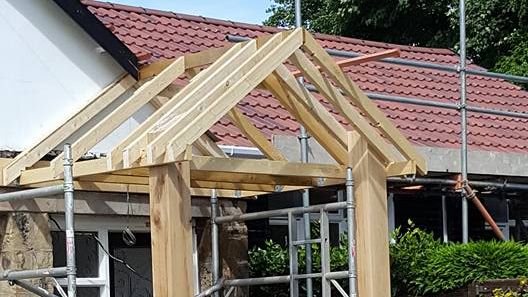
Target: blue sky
(247,11)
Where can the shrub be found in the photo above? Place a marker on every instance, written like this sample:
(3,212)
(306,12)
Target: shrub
(420,264)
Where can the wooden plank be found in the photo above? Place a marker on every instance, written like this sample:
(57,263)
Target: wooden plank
(171,230)
(254,135)
(342,105)
(31,155)
(119,115)
(204,114)
(323,59)
(296,105)
(361,59)
(144,189)
(197,88)
(371,219)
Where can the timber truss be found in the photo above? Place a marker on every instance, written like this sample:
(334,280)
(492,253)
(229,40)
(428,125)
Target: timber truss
(178,129)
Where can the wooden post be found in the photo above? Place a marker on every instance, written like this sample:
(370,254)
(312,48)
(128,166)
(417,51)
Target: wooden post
(372,231)
(171,230)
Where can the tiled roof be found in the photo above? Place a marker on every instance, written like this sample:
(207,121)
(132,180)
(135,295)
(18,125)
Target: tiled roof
(153,34)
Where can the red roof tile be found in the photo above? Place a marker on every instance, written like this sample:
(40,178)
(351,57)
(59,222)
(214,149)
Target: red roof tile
(153,34)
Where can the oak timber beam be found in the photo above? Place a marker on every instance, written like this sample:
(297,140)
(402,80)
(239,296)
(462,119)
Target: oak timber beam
(267,167)
(144,189)
(30,156)
(139,98)
(325,61)
(342,105)
(370,192)
(254,135)
(171,230)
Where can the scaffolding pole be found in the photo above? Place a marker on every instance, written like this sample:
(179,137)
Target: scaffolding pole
(32,193)
(303,139)
(36,273)
(351,224)
(463,119)
(32,288)
(215,244)
(69,209)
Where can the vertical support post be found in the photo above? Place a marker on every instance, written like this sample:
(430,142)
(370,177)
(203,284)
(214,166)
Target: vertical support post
(215,244)
(463,119)
(171,230)
(326,286)
(370,193)
(445,236)
(69,211)
(303,138)
(351,223)
(196,265)
(293,253)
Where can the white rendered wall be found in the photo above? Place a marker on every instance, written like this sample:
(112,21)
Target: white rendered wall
(50,68)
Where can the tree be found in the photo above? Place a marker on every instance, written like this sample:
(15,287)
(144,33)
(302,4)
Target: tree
(413,22)
(497,30)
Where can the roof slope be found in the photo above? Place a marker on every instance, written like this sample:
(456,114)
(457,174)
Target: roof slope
(153,34)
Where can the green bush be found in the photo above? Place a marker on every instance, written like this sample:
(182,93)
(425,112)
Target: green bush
(420,264)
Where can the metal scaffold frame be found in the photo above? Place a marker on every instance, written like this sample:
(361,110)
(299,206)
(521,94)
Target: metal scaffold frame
(69,271)
(328,278)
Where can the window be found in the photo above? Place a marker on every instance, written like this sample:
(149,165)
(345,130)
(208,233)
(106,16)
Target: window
(93,264)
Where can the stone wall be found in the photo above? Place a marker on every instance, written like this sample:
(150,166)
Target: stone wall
(25,243)
(233,248)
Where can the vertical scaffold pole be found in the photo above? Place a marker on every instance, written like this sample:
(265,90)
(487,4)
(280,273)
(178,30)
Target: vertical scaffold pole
(303,137)
(215,248)
(463,119)
(351,223)
(69,219)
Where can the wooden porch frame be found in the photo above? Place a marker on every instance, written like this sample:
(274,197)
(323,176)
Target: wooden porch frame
(171,156)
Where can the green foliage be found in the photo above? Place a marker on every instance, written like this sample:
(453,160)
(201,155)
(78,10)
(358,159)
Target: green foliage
(420,264)
(409,252)
(420,22)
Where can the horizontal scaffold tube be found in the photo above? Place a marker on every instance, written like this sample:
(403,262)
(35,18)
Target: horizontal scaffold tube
(32,193)
(444,181)
(33,289)
(280,212)
(29,274)
(270,280)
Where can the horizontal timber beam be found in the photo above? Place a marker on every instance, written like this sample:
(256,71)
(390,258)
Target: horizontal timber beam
(267,167)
